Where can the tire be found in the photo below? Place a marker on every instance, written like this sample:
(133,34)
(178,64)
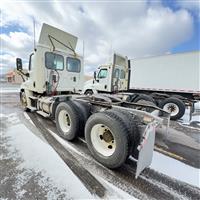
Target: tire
(144,97)
(146,100)
(174,106)
(88,92)
(85,112)
(177,96)
(107,139)
(131,126)
(68,120)
(23,101)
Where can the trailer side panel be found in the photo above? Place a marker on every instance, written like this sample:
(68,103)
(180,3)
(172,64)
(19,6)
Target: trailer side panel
(176,73)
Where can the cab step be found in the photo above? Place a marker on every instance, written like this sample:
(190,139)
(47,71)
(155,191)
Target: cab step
(43,113)
(32,108)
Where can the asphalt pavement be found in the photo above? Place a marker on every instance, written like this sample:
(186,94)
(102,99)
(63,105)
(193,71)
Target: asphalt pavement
(181,143)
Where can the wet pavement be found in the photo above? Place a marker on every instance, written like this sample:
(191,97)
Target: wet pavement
(181,143)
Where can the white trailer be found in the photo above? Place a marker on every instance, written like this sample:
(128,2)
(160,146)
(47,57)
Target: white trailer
(169,81)
(178,73)
(113,129)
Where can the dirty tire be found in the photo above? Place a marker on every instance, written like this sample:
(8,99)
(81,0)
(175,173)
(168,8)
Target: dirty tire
(24,101)
(174,103)
(88,92)
(117,128)
(68,120)
(132,127)
(85,112)
(145,97)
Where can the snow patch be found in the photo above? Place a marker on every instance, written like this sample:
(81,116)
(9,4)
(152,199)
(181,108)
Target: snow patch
(9,90)
(28,118)
(40,157)
(112,191)
(195,117)
(175,169)
(63,142)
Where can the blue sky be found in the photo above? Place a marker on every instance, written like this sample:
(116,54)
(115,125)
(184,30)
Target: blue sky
(193,43)
(132,28)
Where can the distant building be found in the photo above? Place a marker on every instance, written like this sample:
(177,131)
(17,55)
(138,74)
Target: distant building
(87,77)
(13,77)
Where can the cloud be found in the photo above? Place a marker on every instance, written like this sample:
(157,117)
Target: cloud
(191,5)
(16,41)
(130,28)
(14,44)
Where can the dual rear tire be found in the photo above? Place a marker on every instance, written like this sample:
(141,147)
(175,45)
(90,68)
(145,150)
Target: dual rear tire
(110,138)
(174,105)
(110,135)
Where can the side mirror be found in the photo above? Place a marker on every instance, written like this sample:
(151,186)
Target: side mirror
(95,75)
(19,64)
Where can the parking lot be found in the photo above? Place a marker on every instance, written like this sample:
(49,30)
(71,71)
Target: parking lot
(38,164)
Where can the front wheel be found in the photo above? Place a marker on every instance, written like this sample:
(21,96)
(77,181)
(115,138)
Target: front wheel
(107,139)
(23,101)
(174,106)
(88,92)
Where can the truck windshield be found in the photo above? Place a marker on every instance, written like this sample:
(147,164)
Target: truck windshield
(73,65)
(54,61)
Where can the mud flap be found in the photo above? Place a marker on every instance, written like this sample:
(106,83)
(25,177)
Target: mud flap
(146,149)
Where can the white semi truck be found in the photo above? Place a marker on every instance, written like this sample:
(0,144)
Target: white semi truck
(172,82)
(113,129)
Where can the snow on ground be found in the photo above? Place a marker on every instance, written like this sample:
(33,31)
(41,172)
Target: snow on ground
(9,90)
(195,117)
(175,169)
(186,117)
(40,157)
(114,192)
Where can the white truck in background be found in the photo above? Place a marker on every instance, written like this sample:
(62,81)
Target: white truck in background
(172,81)
(113,129)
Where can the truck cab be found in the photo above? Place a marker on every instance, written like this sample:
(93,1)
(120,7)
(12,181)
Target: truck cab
(54,67)
(109,78)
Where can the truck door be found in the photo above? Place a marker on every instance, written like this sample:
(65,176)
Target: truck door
(74,73)
(54,66)
(119,79)
(67,73)
(101,82)
(120,73)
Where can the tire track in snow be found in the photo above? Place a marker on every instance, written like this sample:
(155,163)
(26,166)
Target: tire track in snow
(90,182)
(149,185)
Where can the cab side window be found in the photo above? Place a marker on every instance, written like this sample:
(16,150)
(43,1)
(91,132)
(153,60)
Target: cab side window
(102,73)
(54,61)
(122,74)
(73,65)
(116,73)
